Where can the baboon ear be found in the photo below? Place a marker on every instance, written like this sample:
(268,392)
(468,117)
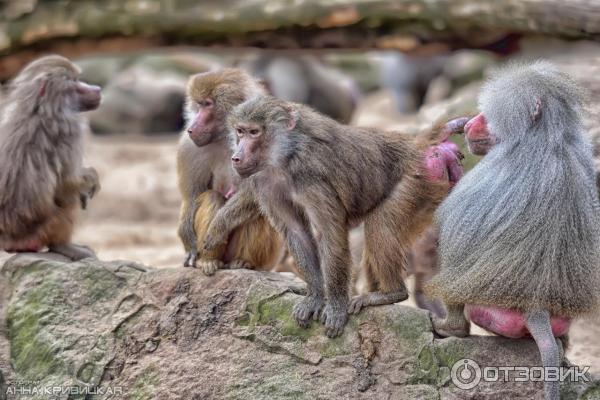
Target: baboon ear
(537,110)
(293,116)
(42,91)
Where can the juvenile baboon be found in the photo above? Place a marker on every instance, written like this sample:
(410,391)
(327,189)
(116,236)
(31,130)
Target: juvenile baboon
(42,180)
(207,180)
(520,234)
(314,178)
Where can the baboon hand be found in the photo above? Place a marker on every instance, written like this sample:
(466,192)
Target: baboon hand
(90,185)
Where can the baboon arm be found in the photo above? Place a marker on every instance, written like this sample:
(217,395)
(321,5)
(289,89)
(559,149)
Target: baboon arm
(295,229)
(239,209)
(189,207)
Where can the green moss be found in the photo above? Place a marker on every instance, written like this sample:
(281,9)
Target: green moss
(263,308)
(451,350)
(428,369)
(592,393)
(278,313)
(31,352)
(145,384)
(46,302)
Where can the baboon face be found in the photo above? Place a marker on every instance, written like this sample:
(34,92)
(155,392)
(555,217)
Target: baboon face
(204,122)
(260,127)
(210,98)
(479,139)
(251,148)
(56,81)
(87,97)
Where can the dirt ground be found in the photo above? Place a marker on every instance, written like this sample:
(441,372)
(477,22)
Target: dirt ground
(135,214)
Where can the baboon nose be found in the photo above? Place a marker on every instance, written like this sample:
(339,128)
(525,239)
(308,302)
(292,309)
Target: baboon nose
(236,159)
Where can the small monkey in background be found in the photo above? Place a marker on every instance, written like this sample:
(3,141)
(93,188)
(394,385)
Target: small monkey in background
(307,80)
(206,178)
(520,234)
(315,178)
(42,181)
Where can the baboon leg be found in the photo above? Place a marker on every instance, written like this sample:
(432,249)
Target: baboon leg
(208,203)
(73,251)
(330,222)
(423,261)
(455,323)
(59,230)
(390,231)
(538,324)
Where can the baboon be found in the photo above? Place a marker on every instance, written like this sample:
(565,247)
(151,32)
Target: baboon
(42,180)
(314,178)
(520,233)
(305,79)
(206,178)
(408,77)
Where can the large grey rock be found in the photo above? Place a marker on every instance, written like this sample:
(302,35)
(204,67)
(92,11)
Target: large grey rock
(143,94)
(176,334)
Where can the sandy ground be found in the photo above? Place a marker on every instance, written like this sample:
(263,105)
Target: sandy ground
(135,214)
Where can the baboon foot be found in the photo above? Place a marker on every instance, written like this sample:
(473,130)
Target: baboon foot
(209,267)
(190,259)
(306,309)
(446,327)
(239,264)
(334,317)
(73,251)
(375,299)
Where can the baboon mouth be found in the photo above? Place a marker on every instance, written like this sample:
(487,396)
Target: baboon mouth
(245,172)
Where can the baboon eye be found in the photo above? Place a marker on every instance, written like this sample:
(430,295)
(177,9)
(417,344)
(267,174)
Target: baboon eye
(254,132)
(205,103)
(239,131)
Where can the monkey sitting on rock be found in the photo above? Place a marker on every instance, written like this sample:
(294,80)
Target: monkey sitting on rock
(42,180)
(206,178)
(520,234)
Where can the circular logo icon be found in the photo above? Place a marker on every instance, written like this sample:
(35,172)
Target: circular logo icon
(465,374)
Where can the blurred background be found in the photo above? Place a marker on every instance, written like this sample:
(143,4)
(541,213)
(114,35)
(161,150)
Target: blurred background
(398,65)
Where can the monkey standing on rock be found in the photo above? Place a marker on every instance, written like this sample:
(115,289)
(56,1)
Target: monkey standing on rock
(313,177)
(42,180)
(520,234)
(206,178)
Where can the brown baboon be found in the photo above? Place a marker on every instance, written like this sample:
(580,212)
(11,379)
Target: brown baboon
(206,178)
(42,180)
(520,233)
(314,178)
